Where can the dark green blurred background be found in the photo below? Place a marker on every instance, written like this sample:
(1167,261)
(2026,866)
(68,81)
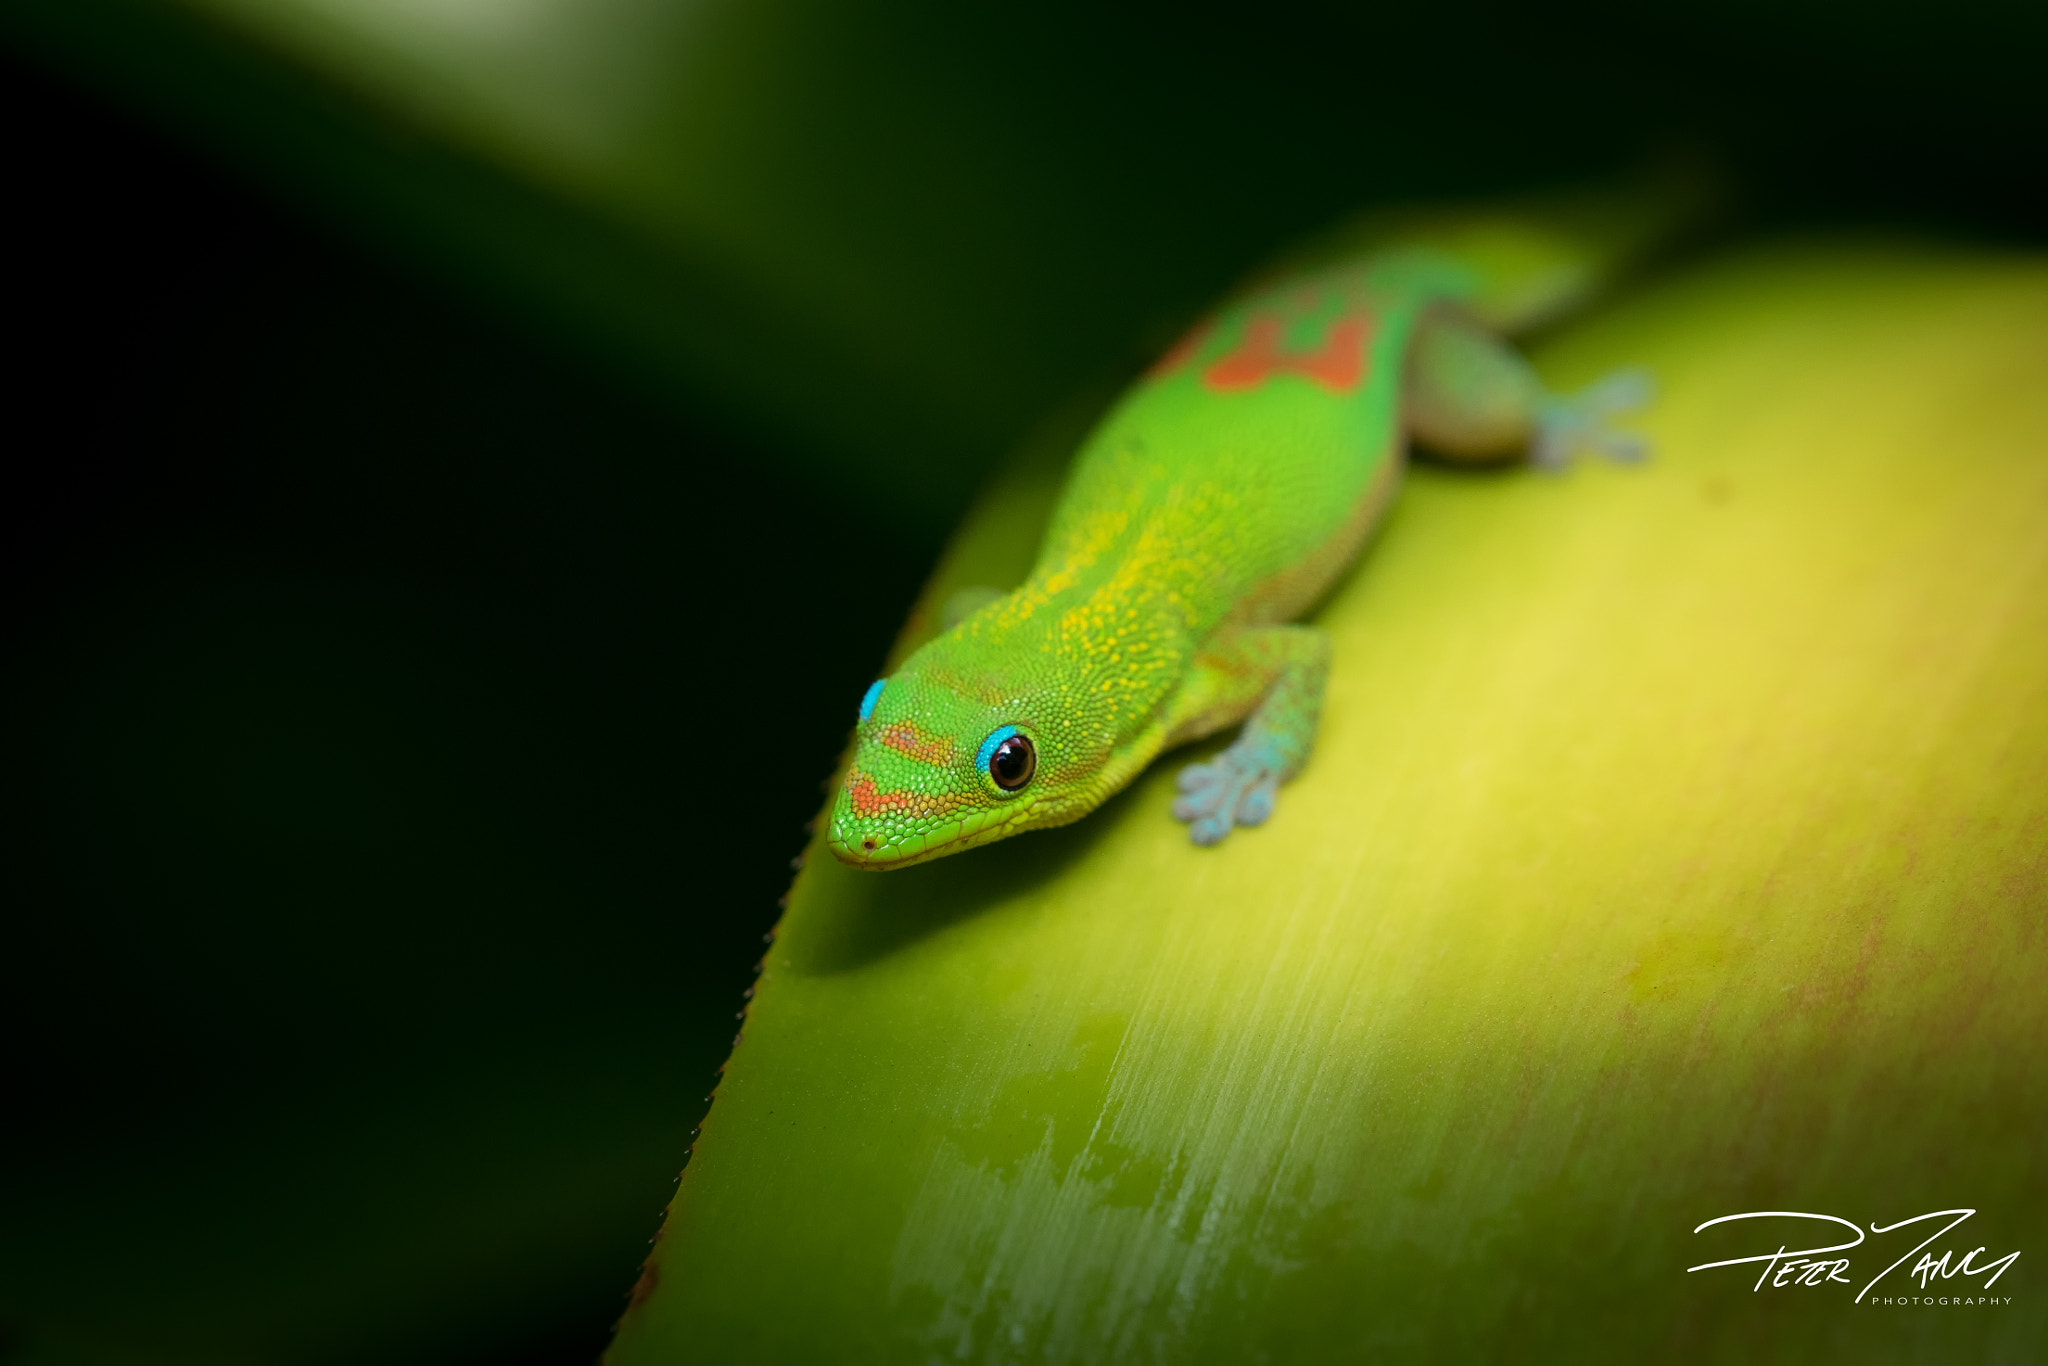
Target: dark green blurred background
(440,561)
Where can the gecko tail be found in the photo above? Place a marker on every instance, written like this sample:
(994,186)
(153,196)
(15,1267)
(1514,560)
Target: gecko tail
(1542,257)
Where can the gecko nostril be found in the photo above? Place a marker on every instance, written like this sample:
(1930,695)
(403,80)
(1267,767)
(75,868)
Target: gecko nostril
(868,844)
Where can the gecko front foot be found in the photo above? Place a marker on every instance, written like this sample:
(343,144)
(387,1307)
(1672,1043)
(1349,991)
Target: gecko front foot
(1568,424)
(1277,673)
(1233,789)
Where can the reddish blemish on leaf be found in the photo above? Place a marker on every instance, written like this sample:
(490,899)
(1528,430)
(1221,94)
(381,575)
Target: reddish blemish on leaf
(650,1276)
(1337,362)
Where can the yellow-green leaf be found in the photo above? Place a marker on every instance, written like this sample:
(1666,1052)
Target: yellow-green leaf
(1676,846)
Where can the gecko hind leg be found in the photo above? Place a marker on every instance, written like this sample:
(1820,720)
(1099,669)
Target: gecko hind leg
(1472,397)
(1276,673)
(1567,424)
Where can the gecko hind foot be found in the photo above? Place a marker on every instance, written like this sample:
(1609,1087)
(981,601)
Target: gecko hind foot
(1580,422)
(1230,790)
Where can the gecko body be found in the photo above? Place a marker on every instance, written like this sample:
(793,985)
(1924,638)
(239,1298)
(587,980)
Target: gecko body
(1204,515)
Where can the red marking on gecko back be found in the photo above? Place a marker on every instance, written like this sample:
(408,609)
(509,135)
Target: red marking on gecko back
(1183,351)
(1337,363)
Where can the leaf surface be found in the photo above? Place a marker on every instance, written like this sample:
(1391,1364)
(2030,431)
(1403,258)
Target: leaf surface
(1674,847)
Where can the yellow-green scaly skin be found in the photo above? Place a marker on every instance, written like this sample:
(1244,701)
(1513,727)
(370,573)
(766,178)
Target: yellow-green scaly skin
(1218,500)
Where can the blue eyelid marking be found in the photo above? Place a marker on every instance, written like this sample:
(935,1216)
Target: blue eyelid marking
(988,746)
(870,697)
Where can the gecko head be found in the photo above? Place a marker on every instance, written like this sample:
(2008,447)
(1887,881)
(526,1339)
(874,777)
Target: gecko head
(941,765)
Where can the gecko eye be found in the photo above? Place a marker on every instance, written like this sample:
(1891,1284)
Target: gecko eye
(870,697)
(1009,758)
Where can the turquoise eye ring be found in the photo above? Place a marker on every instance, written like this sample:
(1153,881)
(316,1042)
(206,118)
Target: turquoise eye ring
(1009,758)
(870,697)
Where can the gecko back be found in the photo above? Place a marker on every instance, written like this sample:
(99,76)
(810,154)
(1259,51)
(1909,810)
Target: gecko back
(1211,508)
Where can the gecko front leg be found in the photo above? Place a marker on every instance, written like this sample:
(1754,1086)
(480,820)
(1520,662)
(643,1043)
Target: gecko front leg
(1271,678)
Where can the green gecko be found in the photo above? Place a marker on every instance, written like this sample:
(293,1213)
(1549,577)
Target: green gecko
(1214,505)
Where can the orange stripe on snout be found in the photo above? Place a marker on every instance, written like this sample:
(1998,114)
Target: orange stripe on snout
(868,799)
(905,738)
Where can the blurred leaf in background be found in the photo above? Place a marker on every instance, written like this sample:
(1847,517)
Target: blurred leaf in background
(386,832)
(370,825)
(896,232)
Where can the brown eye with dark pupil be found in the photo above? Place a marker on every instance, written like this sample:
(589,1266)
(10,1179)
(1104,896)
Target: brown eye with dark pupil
(1013,763)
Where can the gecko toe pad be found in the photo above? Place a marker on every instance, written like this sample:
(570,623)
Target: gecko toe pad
(1581,422)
